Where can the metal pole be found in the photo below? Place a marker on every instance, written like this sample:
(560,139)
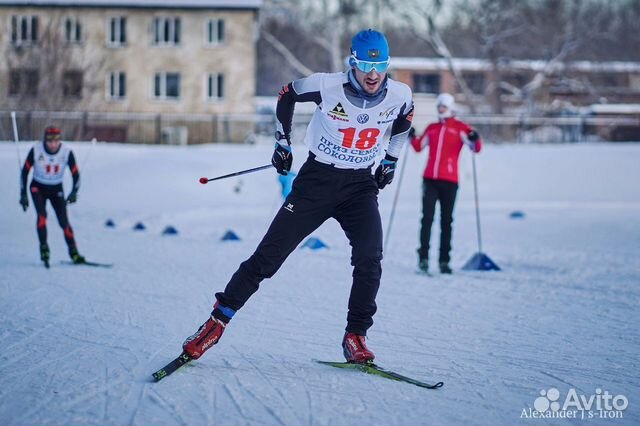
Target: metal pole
(16,139)
(88,154)
(395,200)
(475,192)
(204,180)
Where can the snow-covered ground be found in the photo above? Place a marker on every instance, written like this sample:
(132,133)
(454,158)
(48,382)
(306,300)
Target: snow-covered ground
(78,344)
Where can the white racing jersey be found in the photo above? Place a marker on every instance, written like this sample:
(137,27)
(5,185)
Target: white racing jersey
(346,135)
(48,168)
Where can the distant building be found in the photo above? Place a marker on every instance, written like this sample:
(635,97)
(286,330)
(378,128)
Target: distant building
(580,100)
(579,83)
(131,57)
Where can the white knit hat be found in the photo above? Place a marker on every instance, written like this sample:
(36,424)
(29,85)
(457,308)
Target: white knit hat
(446,100)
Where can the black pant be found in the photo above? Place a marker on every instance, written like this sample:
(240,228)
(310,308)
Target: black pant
(319,192)
(445,192)
(40,193)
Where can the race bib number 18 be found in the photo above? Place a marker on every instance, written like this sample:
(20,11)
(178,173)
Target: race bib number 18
(367,138)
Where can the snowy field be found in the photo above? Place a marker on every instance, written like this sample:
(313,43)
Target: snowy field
(78,344)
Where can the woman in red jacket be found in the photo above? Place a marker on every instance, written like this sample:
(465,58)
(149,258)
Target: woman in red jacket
(445,140)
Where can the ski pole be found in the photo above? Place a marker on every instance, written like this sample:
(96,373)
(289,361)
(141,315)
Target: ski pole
(88,154)
(204,180)
(395,200)
(15,137)
(475,192)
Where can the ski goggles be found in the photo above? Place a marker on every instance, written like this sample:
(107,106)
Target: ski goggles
(53,137)
(367,66)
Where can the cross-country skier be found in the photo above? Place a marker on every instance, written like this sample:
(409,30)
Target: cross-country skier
(440,181)
(49,159)
(345,136)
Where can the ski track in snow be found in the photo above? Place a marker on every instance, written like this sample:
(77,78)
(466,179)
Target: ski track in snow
(78,344)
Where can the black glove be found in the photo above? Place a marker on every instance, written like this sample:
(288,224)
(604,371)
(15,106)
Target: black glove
(282,159)
(473,137)
(412,133)
(24,200)
(73,197)
(384,172)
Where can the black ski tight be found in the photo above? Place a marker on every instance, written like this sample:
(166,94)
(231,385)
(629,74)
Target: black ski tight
(434,191)
(54,193)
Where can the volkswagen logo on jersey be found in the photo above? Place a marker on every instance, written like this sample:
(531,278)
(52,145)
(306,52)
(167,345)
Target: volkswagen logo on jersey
(363,118)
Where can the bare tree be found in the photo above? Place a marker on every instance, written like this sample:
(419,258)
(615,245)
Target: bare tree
(560,44)
(422,19)
(497,23)
(286,53)
(54,73)
(326,26)
(505,30)
(312,36)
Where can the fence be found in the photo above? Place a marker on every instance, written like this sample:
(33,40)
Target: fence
(178,129)
(182,129)
(536,129)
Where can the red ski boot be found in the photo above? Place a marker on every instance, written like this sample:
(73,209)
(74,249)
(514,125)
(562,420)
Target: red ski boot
(355,350)
(206,336)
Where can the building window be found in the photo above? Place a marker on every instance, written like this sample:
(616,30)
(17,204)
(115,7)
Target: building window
(166,85)
(72,30)
(24,29)
(215,86)
(215,31)
(475,81)
(23,82)
(72,84)
(166,31)
(117,32)
(518,81)
(426,83)
(117,85)
(604,80)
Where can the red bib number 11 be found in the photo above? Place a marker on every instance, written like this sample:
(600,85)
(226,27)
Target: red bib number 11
(367,138)
(55,168)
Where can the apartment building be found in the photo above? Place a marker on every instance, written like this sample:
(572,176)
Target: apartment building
(132,57)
